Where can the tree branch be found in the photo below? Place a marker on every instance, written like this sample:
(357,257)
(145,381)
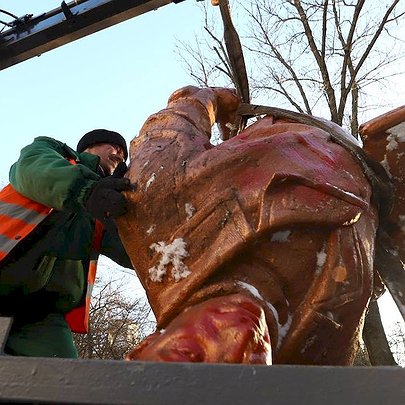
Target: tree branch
(328,88)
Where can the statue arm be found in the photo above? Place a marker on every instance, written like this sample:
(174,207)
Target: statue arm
(201,107)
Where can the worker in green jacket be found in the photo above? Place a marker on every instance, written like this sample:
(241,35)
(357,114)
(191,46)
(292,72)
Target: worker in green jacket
(56,196)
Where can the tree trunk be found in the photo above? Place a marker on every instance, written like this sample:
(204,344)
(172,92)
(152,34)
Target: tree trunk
(391,269)
(374,337)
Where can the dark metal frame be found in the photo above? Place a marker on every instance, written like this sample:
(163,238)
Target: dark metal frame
(98,382)
(34,36)
(62,381)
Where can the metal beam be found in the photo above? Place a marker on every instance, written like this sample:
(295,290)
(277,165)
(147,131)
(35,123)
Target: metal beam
(67,23)
(98,382)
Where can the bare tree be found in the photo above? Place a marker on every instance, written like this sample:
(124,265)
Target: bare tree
(314,56)
(396,340)
(117,323)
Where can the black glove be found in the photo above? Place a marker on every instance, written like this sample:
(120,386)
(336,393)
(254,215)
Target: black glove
(106,200)
(120,170)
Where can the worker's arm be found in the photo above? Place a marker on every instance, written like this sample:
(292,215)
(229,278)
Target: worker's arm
(43,174)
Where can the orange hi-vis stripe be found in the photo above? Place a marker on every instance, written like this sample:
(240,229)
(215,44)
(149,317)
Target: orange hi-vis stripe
(78,318)
(19,216)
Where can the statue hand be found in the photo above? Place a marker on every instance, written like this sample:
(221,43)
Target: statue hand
(227,105)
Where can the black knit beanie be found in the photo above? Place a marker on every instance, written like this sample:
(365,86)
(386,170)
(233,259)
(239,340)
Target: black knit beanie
(102,136)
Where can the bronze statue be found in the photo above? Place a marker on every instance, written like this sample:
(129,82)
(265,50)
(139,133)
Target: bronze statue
(258,250)
(384,141)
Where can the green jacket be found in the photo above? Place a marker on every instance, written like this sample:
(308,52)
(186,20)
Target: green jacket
(48,271)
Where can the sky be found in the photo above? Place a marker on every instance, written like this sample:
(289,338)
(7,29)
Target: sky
(112,79)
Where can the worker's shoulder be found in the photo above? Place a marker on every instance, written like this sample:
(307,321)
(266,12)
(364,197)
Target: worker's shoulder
(48,140)
(61,147)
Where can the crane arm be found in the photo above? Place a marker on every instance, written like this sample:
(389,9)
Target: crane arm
(31,37)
